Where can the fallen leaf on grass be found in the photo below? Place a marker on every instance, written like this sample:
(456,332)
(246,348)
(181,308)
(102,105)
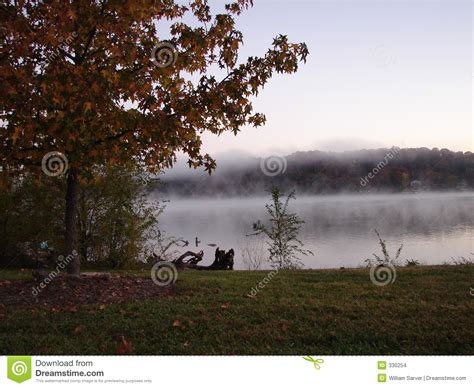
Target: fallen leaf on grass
(225,306)
(125,347)
(176,323)
(78,329)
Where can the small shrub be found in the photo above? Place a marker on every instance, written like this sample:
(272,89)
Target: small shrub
(411,263)
(463,260)
(385,259)
(253,252)
(284,244)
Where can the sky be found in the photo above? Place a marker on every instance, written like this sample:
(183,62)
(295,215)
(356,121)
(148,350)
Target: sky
(379,74)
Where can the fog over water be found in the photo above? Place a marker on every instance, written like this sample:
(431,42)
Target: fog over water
(339,229)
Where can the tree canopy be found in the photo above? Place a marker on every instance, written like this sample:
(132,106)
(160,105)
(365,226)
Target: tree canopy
(101,83)
(79,77)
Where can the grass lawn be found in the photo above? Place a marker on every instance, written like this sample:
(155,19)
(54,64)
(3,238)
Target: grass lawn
(428,310)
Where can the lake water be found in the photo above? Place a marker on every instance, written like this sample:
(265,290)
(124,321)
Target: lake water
(339,229)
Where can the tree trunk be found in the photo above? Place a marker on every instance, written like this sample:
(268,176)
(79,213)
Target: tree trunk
(72,192)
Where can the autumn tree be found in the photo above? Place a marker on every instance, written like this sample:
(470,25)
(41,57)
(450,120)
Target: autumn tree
(109,81)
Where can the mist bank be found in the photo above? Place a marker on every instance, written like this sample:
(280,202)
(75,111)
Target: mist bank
(318,172)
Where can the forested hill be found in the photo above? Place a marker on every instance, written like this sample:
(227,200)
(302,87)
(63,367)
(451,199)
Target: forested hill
(317,172)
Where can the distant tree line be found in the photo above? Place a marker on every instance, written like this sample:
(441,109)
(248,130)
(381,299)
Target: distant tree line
(317,172)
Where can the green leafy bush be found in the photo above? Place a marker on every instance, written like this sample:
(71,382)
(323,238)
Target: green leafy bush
(115,219)
(284,245)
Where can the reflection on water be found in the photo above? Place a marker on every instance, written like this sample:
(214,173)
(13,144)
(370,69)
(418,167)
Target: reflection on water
(339,229)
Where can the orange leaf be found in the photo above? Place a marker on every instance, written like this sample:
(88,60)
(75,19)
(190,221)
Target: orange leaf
(78,329)
(125,347)
(16,134)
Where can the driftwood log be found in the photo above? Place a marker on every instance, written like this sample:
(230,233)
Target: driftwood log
(223,260)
